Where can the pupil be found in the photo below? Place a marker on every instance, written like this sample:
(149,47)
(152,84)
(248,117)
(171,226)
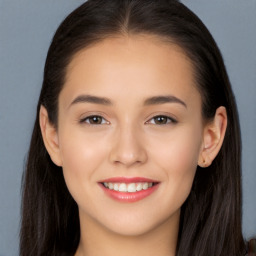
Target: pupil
(161,120)
(96,120)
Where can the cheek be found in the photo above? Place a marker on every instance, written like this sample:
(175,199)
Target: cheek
(81,154)
(80,150)
(178,159)
(179,150)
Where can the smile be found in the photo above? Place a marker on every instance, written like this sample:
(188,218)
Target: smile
(128,189)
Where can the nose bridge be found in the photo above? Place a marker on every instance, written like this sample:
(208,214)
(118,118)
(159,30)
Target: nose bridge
(128,147)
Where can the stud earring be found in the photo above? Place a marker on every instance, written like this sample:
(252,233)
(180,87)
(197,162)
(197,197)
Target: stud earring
(203,164)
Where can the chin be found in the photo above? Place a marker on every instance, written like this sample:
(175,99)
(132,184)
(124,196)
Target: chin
(129,225)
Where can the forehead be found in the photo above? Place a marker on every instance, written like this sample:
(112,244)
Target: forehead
(131,62)
(135,48)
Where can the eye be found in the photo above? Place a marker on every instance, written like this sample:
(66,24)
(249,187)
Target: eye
(162,120)
(94,120)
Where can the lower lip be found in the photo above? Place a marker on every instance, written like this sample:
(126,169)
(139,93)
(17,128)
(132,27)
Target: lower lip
(129,197)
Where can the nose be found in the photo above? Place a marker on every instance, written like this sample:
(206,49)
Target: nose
(128,148)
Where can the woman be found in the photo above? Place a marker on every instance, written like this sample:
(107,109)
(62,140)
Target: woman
(136,144)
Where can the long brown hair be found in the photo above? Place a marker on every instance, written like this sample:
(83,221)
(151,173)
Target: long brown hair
(211,216)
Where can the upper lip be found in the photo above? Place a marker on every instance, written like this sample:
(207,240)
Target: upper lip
(128,180)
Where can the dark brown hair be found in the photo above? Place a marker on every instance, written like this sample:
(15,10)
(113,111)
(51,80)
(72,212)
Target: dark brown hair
(211,216)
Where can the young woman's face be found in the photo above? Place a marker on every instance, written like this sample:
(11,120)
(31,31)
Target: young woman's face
(130,117)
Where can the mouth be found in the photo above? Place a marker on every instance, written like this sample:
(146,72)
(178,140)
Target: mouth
(128,189)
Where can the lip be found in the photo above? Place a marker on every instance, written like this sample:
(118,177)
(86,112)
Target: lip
(129,197)
(128,180)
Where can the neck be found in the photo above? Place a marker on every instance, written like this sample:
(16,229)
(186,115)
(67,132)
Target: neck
(97,240)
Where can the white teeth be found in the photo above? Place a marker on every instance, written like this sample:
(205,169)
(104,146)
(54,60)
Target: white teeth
(122,187)
(130,187)
(139,187)
(145,186)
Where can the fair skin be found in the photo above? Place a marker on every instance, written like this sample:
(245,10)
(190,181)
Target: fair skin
(126,139)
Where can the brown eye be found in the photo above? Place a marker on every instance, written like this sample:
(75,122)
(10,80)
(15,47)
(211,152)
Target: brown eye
(94,120)
(162,120)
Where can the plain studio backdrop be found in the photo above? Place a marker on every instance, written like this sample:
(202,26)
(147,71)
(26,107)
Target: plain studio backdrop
(26,29)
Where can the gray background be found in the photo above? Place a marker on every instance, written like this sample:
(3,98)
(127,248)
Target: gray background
(26,29)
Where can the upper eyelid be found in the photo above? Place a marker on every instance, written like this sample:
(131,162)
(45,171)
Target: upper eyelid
(164,114)
(92,114)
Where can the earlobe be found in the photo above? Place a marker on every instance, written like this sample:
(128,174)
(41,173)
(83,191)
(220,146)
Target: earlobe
(213,137)
(50,136)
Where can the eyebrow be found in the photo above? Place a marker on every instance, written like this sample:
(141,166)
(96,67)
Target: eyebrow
(164,99)
(156,100)
(91,99)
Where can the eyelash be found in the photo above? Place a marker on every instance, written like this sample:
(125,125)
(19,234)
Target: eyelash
(168,120)
(91,117)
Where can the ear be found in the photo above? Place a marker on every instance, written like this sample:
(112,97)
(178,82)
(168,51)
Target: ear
(50,136)
(213,136)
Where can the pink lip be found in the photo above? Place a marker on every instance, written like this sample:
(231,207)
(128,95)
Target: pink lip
(129,197)
(128,180)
